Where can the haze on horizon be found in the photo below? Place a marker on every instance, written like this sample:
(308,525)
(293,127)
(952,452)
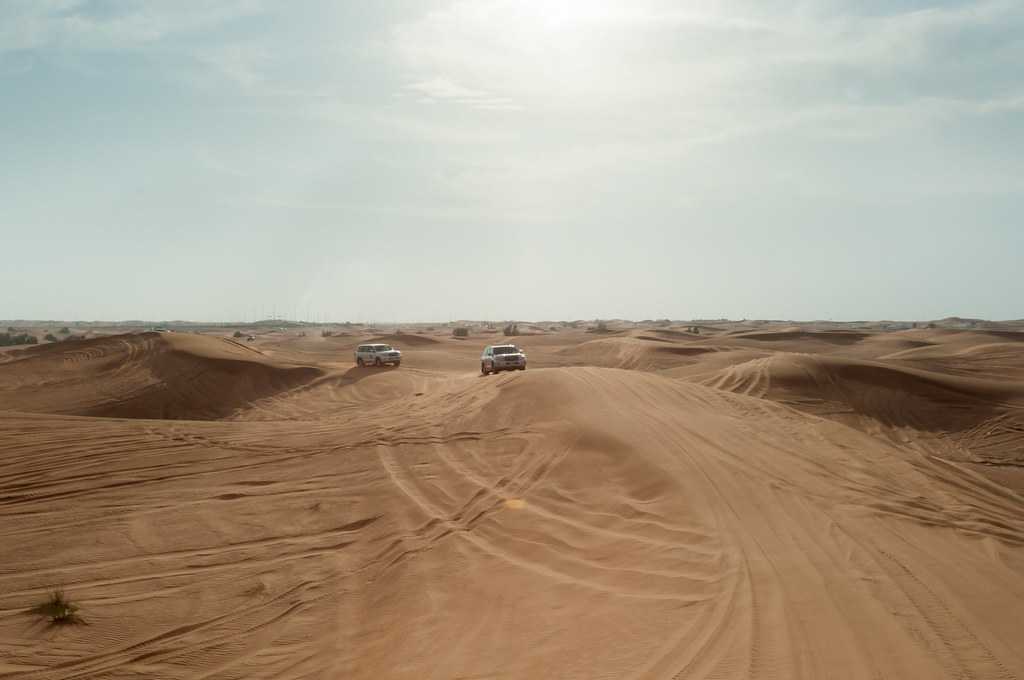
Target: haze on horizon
(422,161)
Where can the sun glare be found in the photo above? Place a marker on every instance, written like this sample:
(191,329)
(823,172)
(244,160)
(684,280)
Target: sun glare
(571,14)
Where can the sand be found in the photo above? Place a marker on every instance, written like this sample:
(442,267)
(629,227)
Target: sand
(645,503)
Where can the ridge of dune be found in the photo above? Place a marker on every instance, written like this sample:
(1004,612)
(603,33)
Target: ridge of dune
(831,337)
(869,394)
(1001,361)
(146,375)
(671,333)
(409,339)
(635,352)
(795,377)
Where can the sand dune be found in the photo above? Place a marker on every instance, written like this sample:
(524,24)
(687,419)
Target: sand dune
(900,396)
(639,351)
(671,334)
(146,375)
(979,415)
(686,507)
(405,339)
(814,337)
(621,352)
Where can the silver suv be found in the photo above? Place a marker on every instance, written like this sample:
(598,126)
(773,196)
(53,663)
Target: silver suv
(377,355)
(502,358)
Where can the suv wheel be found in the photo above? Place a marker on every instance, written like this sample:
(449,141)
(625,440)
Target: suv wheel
(377,362)
(360,362)
(483,368)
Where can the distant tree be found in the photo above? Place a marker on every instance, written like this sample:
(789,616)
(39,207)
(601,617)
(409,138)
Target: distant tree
(64,331)
(50,337)
(17,339)
(326,333)
(460,332)
(237,334)
(511,329)
(601,326)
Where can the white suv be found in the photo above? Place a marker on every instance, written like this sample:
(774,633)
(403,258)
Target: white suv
(502,358)
(377,355)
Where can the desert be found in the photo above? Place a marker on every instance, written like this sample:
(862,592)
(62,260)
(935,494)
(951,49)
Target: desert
(684,500)
(511,340)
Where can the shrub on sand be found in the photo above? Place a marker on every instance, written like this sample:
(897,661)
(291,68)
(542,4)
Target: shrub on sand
(59,609)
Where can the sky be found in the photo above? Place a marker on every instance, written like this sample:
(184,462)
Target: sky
(396,161)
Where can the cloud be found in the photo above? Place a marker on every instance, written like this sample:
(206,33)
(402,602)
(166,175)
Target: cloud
(443,89)
(185,39)
(78,24)
(717,67)
(242,64)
